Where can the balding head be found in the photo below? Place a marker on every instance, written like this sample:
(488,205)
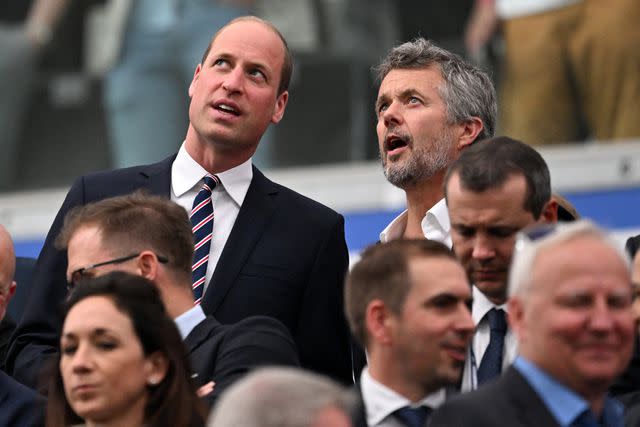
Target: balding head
(7,270)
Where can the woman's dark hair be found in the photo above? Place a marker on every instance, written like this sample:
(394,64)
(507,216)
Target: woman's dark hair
(171,403)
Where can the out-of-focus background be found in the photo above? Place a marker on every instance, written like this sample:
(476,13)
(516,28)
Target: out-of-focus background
(98,84)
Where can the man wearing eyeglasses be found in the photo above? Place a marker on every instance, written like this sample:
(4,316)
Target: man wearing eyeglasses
(496,188)
(570,307)
(154,234)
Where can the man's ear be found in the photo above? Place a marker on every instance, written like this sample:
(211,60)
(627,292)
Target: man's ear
(515,316)
(468,131)
(550,212)
(148,265)
(281,103)
(196,74)
(5,298)
(379,322)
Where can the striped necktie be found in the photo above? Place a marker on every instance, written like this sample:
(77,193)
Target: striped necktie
(202,226)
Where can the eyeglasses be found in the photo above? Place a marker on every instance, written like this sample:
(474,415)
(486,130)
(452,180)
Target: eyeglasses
(82,273)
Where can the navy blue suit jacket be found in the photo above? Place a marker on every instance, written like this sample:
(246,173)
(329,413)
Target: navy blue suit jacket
(286,258)
(508,401)
(19,405)
(224,353)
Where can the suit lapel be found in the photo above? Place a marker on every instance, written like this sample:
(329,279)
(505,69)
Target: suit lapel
(156,178)
(529,407)
(200,333)
(255,213)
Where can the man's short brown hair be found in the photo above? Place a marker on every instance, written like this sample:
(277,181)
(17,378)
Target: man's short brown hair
(383,273)
(137,222)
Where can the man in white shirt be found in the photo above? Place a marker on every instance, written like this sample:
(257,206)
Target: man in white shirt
(407,302)
(271,251)
(151,237)
(430,106)
(495,188)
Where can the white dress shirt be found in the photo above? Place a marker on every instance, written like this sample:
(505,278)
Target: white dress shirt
(435,225)
(481,338)
(380,401)
(186,181)
(189,320)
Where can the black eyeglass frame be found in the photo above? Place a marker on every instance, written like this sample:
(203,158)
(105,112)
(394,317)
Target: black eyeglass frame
(79,273)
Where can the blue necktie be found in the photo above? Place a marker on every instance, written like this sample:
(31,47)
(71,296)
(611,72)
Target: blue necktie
(413,417)
(586,419)
(202,226)
(491,365)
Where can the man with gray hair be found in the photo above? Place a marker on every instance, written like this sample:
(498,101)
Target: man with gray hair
(570,307)
(431,104)
(284,397)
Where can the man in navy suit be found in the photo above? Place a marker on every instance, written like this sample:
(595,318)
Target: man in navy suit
(273,251)
(151,236)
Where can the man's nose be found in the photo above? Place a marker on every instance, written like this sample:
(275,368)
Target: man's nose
(233,80)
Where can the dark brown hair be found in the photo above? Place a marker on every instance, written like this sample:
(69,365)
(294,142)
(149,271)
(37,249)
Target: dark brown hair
(137,222)
(383,273)
(171,403)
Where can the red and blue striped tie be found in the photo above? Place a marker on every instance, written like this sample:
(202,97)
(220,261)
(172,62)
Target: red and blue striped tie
(202,225)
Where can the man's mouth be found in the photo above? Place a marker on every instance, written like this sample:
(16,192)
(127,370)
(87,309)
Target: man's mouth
(227,108)
(394,144)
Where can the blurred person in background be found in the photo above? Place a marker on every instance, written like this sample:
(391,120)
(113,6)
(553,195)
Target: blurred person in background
(284,397)
(567,64)
(570,307)
(26,29)
(121,361)
(161,41)
(7,289)
(407,302)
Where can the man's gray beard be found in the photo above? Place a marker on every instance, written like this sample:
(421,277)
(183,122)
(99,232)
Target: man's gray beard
(423,163)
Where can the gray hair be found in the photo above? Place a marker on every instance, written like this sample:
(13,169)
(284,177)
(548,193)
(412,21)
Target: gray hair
(526,250)
(467,92)
(279,397)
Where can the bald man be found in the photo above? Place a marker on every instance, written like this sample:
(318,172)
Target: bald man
(7,289)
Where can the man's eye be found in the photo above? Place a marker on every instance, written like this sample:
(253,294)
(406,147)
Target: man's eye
(258,73)
(414,100)
(220,62)
(382,107)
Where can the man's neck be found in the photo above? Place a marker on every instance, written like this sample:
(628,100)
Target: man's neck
(177,299)
(394,380)
(420,198)
(213,158)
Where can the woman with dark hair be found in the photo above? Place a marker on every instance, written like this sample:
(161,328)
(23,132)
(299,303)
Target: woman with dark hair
(122,362)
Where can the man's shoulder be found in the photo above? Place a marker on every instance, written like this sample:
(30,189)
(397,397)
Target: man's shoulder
(304,204)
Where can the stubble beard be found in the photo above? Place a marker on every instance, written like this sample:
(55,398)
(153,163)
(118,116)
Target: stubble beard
(423,163)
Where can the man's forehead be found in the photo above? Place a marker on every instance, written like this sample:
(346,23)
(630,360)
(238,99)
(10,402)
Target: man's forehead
(249,32)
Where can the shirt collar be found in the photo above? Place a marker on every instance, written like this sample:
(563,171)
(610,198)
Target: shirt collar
(564,404)
(189,320)
(186,174)
(381,401)
(436,225)
(481,305)
(395,230)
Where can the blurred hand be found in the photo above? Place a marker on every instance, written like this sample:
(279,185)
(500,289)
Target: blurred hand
(205,389)
(480,27)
